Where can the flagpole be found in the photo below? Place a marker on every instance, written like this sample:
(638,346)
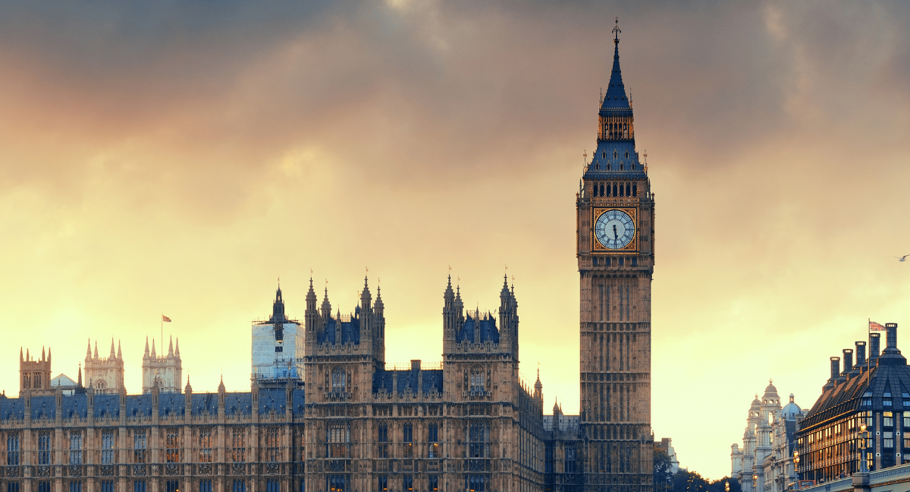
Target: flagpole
(161,340)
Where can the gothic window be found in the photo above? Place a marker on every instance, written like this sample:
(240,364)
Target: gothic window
(407,482)
(609,166)
(382,440)
(205,445)
(26,380)
(37,380)
(622,166)
(383,483)
(407,440)
(433,483)
(615,154)
(140,443)
(271,444)
(635,190)
(75,448)
(238,445)
(570,464)
(107,447)
(627,154)
(272,486)
(108,486)
(628,189)
(614,190)
(608,189)
(238,486)
(172,486)
(603,154)
(44,486)
(601,189)
(338,441)
(475,483)
(173,445)
(205,486)
(44,448)
(338,380)
(433,441)
(139,486)
(337,483)
(622,190)
(477,382)
(478,440)
(12,449)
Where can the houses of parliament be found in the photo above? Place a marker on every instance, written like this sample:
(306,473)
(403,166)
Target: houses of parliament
(326,413)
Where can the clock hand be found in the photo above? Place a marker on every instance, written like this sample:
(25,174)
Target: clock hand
(615,234)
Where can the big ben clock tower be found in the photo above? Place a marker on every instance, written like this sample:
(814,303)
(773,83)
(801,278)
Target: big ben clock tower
(615,245)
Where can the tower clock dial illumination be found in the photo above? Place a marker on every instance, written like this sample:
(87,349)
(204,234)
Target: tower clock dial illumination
(614,229)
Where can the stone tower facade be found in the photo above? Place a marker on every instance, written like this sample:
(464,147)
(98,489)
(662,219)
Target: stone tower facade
(615,249)
(35,375)
(164,371)
(104,374)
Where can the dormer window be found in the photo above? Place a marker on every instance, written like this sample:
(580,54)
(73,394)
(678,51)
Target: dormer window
(615,154)
(627,154)
(603,154)
(622,166)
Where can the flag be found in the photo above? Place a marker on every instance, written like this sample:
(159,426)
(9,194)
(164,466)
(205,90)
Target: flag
(168,320)
(873,326)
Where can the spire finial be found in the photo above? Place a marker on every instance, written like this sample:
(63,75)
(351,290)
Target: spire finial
(616,31)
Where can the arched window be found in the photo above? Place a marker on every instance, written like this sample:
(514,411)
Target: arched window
(477,379)
(635,190)
(622,166)
(614,190)
(621,190)
(603,154)
(595,189)
(601,189)
(608,166)
(628,189)
(627,154)
(615,154)
(339,380)
(608,189)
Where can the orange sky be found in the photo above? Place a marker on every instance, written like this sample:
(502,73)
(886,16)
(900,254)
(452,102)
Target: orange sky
(179,158)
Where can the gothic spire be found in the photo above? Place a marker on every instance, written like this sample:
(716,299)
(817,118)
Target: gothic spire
(146,346)
(113,353)
(278,306)
(615,98)
(170,347)
(88,351)
(119,352)
(96,349)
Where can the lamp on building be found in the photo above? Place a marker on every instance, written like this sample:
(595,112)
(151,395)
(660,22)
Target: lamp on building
(754,481)
(864,433)
(726,486)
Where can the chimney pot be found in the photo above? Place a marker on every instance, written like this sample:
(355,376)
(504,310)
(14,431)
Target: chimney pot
(874,346)
(835,367)
(860,353)
(848,360)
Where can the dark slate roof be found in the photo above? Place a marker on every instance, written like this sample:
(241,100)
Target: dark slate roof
(238,404)
(610,161)
(141,405)
(350,332)
(44,406)
(205,403)
(889,379)
(615,99)
(478,331)
(407,380)
(108,405)
(136,405)
(75,406)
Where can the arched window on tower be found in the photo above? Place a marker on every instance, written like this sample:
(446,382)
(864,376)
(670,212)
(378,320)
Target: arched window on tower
(339,380)
(621,190)
(608,189)
(601,189)
(614,190)
(635,190)
(628,189)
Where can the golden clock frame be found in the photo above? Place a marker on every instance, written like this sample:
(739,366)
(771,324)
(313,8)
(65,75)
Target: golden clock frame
(597,248)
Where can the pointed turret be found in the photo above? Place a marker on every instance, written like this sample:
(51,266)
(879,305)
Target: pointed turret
(119,352)
(378,305)
(42,354)
(278,307)
(170,346)
(154,356)
(48,355)
(79,376)
(326,305)
(538,387)
(88,351)
(221,385)
(113,353)
(20,355)
(146,356)
(365,297)
(188,390)
(616,92)
(177,348)
(96,350)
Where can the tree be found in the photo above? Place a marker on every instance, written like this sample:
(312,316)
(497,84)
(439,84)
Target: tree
(663,474)
(686,481)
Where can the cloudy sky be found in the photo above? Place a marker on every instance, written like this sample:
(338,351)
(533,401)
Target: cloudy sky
(178,158)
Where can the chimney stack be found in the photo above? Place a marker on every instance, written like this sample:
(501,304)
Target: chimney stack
(848,360)
(860,354)
(891,339)
(835,367)
(874,346)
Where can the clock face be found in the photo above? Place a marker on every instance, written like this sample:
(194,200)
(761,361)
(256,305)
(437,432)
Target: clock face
(614,229)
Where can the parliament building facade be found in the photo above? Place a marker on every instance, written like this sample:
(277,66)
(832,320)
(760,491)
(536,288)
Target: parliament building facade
(326,413)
